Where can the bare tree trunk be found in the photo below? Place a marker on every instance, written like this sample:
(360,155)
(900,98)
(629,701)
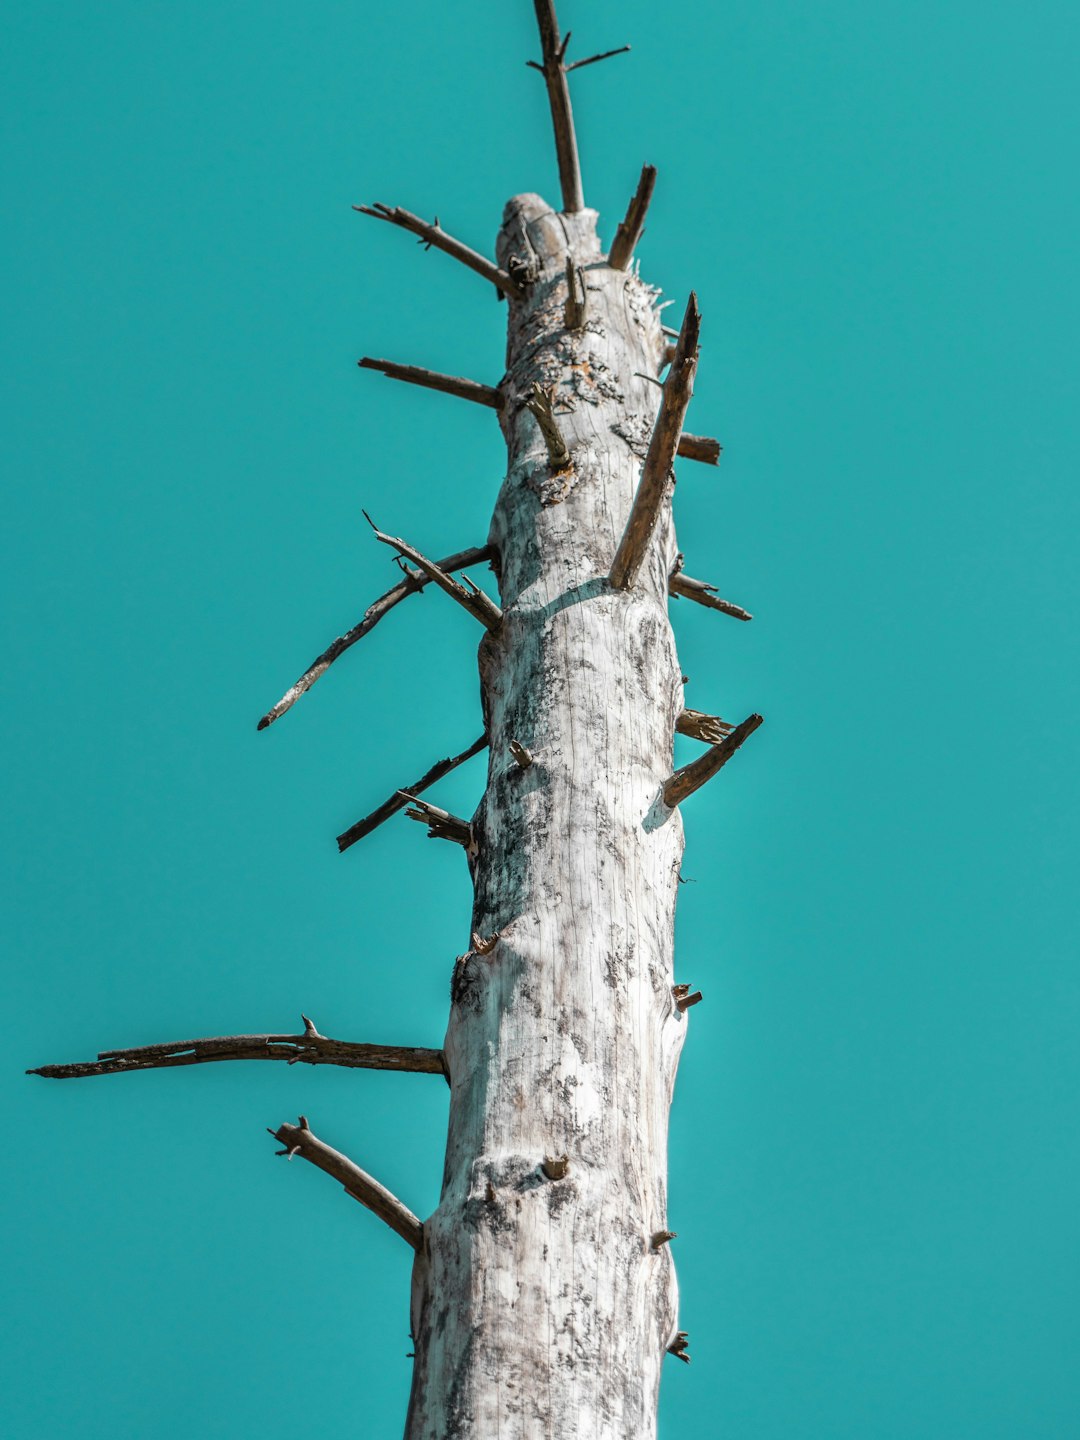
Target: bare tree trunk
(542,1305)
(544,1296)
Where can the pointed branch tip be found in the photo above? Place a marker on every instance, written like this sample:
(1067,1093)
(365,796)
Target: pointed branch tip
(632,226)
(691,777)
(653,488)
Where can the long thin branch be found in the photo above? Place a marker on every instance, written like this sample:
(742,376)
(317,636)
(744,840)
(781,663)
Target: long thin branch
(700,726)
(699,447)
(399,800)
(411,584)
(475,601)
(433,234)
(562,116)
(592,59)
(656,471)
(433,380)
(691,777)
(630,229)
(702,594)
(311,1048)
(298,1140)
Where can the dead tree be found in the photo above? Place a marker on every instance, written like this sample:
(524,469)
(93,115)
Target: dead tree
(543,1297)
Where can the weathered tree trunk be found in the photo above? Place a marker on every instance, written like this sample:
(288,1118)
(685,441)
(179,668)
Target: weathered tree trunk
(541,1305)
(544,1296)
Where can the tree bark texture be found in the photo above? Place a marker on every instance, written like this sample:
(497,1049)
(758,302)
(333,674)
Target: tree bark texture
(541,1305)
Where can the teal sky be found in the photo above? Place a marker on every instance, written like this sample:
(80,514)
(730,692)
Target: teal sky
(874,1167)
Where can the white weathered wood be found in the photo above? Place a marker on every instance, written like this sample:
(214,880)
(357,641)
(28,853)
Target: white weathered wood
(542,1306)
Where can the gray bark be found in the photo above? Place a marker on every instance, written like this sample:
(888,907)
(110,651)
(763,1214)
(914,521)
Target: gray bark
(542,1306)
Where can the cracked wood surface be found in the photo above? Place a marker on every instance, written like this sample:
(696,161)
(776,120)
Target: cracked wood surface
(541,1307)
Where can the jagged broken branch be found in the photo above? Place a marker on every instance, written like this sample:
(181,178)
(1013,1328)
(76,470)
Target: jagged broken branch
(656,470)
(699,447)
(700,726)
(691,777)
(401,798)
(299,1140)
(411,584)
(702,594)
(442,825)
(432,234)
(541,405)
(630,229)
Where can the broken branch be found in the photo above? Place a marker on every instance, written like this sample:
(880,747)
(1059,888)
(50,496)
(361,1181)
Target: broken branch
(541,404)
(432,380)
(678,1346)
(702,594)
(434,234)
(475,601)
(411,584)
(700,726)
(400,798)
(691,777)
(630,229)
(310,1048)
(699,447)
(655,472)
(441,824)
(574,310)
(298,1140)
(562,117)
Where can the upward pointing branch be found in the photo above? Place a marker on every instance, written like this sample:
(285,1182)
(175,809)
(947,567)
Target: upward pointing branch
(434,234)
(648,502)
(630,229)
(298,1140)
(475,601)
(562,117)
(412,583)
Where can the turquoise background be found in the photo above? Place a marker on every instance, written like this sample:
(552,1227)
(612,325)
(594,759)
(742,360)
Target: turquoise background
(874,1169)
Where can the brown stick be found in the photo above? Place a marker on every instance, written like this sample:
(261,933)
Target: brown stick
(434,234)
(412,584)
(432,380)
(630,229)
(699,447)
(541,404)
(473,600)
(656,471)
(311,1048)
(592,59)
(562,117)
(400,799)
(441,824)
(700,726)
(702,594)
(298,1140)
(691,777)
